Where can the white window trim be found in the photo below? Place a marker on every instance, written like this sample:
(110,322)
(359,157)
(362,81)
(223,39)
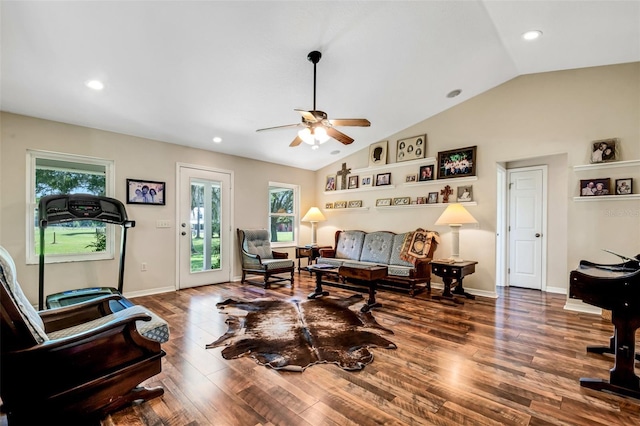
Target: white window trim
(296,214)
(34,252)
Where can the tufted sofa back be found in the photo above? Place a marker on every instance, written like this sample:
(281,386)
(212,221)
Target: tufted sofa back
(349,245)
(377,247)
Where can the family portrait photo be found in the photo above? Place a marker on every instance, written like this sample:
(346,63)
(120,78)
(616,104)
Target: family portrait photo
(591,187)
(145,192)
(603,150)
(426,173)
(457,163)
(624,186)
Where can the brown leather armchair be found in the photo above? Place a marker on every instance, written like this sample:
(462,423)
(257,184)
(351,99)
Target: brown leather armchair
(73,363)
(258,258)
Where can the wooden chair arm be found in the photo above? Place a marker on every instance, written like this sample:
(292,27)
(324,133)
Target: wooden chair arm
(68,316)
(327,252)
(87,335)
(279,255)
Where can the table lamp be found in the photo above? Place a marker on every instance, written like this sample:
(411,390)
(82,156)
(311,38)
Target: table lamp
(455,215)
(314,215)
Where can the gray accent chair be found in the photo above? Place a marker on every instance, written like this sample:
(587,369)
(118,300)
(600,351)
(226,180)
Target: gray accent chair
(257,258)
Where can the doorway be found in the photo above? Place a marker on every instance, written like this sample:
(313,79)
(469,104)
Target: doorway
(204,226)
(527,226)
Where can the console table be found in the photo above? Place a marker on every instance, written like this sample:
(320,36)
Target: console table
(453,271)
(366,275)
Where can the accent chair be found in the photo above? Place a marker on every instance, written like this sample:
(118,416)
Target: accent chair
(258,258)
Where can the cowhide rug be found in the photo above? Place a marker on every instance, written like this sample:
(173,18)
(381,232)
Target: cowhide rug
(295,334)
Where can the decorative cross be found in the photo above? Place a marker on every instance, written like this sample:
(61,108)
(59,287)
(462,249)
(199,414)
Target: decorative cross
(445,193)
(343,175)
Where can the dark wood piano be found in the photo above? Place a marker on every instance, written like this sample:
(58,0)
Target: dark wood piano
(615,288)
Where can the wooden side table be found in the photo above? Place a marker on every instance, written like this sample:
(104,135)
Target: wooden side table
(310,253)
(453,271)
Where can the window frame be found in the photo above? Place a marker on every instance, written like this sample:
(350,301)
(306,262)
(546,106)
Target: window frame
(33,252)
(295,215)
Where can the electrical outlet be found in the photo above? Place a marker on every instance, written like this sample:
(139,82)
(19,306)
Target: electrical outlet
(163,224)
(143,267)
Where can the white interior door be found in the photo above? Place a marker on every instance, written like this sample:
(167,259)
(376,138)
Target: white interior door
(526,211)
(501,226)
(204,227)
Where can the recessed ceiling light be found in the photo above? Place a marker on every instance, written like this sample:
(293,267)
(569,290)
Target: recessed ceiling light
(217,139)
(454,93)
(336,152)
(95,84)
(532,35)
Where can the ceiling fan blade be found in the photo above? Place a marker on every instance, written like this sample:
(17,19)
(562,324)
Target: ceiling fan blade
(339,136)
(297,141)
(360,122)
(280,127)
(307,116)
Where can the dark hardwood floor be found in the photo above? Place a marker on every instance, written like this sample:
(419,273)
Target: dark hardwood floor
(515,360)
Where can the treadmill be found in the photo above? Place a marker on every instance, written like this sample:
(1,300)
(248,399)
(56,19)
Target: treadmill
(60,208)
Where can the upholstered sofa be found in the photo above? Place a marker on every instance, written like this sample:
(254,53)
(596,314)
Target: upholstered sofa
(406,255)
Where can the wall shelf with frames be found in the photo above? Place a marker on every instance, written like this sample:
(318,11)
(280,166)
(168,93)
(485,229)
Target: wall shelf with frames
(420,161)
(450,182)
(602,166)
(419,206)
(611,165)
(367,188)
(348,209)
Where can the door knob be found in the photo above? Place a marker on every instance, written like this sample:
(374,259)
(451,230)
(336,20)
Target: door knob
(538,235)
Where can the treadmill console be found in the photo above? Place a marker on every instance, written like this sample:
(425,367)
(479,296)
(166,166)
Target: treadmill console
(72,207)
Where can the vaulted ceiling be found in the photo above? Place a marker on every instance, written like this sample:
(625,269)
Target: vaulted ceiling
(185,72)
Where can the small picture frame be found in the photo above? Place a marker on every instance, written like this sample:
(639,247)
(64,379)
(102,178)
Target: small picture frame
(383,202)
(378,154)
(432,198)
(421,200)
(340,205)
(366,181)
(146,192)
(465,194)
(353,182)
(355,204)
(401,201)
(594,187)
(426,173)
(604,150)
(624,186)
(457,163)
(383,179)
(328,206)
(411,148)
(411,178)
(330,184)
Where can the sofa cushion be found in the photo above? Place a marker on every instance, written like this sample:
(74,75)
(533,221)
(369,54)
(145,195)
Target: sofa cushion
(273,264)
(398,241)
(349,245)
(377,247)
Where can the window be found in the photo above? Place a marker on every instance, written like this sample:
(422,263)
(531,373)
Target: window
(283,214)
(52,173)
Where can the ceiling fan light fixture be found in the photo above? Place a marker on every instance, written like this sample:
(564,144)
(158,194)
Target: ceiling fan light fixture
(532,35)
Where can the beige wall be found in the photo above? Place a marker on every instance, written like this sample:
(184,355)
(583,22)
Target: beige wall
(548,118)
(553,116)
(134,158)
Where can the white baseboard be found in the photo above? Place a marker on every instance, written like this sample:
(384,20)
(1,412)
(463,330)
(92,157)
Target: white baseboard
(556,290)
(149,292)
(580,306)
(475,292)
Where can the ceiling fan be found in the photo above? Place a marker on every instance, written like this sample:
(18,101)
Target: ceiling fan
(317,126)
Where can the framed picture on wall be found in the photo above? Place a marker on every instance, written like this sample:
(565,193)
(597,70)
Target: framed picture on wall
(604,150)
(457,163)
(366,181)
(426,173)
(383,179)
(465,194)
(594,187)
(624,186)
(353,182)
(411,148)
(432,198)
(145,192)
(378,154)
(330,184)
